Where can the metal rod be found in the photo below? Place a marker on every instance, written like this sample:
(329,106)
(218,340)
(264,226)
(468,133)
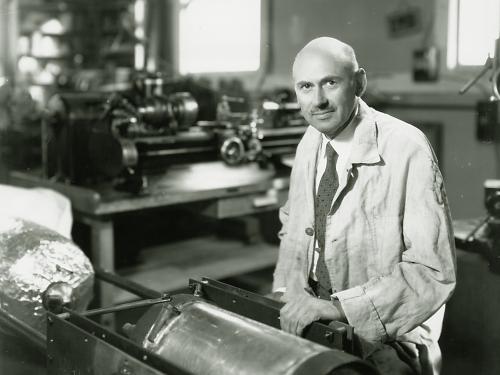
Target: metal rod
(126,284)
(117,308)
(179,151)
(487,65)
(471,236)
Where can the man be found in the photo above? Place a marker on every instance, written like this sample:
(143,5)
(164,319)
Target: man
(366,225)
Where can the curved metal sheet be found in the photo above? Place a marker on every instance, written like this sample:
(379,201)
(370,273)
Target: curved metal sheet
(33,257)
(205,339)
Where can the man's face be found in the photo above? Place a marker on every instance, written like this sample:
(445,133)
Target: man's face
(326,90)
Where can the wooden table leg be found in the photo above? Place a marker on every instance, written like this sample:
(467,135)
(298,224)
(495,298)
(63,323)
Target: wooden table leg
(103,256)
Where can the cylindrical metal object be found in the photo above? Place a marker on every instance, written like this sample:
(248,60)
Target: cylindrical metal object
(205,339)
(36,262)
(232,150)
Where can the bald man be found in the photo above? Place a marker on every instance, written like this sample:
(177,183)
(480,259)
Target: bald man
(366,235)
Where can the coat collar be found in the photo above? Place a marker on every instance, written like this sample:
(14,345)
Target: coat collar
(364,147)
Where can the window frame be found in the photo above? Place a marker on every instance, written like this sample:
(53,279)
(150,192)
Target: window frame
(245,75)
(444,39)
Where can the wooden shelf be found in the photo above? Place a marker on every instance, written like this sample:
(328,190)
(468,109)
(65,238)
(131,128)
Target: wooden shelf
(55,57)
(68,6)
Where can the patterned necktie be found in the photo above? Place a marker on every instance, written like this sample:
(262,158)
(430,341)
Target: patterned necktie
(326,191)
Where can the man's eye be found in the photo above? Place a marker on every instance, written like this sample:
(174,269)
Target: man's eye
(331,82)
(305,86)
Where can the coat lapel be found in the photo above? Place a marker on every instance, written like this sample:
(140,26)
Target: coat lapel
(364,146)
(311,155)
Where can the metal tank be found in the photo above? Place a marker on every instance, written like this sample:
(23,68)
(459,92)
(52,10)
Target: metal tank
(205,339)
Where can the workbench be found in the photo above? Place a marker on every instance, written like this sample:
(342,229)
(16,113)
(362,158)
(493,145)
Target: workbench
(215,189)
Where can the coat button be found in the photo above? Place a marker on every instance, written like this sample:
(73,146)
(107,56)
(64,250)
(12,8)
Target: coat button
(309,231)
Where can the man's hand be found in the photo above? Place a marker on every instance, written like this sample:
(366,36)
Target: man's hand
(277,296)
(302,309)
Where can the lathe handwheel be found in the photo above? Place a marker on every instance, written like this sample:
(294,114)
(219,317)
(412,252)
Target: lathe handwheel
(232,151)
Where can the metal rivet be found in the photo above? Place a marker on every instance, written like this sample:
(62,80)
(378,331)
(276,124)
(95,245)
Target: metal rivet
(197,290)
(329,336)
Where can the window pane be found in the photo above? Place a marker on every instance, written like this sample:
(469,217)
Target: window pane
(219,36)
(478,27)
(451,58)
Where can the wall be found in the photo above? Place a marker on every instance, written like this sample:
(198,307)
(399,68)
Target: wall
(360,23)
(466,162)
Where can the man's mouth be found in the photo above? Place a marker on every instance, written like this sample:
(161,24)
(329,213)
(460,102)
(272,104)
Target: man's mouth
(323,114)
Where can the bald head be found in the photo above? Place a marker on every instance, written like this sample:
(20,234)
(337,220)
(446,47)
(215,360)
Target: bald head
(328,82)
(331,49)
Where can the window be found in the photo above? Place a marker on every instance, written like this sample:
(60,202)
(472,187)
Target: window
(473,27)
(219,36)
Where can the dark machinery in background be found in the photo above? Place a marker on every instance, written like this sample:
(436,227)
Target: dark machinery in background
(488,119)
(486,234)
(124,137)
(484,238)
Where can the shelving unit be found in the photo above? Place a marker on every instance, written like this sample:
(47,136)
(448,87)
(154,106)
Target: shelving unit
(59,39)
(51,46)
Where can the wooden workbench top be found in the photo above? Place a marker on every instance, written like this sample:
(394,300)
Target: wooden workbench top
(180,184)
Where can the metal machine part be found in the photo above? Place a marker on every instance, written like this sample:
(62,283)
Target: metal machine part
(232,151)
(38,265)
(205,339)
(90,138)
(492,63)
(492,197)
(154,115)
(194,334)
(123,138)
(484,238)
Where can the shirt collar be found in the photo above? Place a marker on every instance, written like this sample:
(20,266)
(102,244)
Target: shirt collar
(342,143)
(364,146)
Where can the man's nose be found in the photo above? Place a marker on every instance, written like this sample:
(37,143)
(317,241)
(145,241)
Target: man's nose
(320,100)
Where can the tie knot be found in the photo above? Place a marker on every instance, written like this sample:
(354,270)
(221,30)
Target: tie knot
(330,151)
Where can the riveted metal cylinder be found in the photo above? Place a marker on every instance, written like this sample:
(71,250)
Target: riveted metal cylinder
(205,339)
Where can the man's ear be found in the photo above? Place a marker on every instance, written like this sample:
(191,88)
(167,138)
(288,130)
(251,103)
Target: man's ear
(360,81)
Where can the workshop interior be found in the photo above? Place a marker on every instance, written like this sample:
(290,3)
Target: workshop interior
(145,151)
